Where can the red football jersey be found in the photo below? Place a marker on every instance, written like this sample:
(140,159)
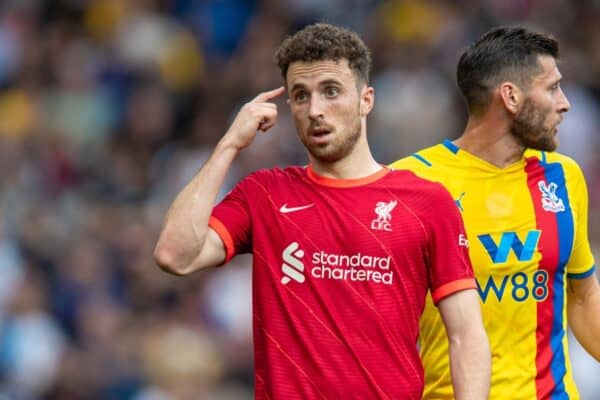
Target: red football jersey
(340,273)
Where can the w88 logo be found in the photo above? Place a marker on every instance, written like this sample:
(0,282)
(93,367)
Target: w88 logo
(520,286)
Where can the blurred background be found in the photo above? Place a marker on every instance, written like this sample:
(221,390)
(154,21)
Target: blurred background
(108,107)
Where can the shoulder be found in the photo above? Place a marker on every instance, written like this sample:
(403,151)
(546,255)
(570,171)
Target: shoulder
(424,158)
(552,157)
(268,179)
(428,200)
(428,192)
(276,174)
(433,163)
(569,166)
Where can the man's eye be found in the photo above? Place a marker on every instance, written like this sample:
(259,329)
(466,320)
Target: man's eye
(332,91)
(300,96)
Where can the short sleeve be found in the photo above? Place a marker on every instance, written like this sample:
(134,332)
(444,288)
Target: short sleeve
(232,220)
(450,268)
(581,262)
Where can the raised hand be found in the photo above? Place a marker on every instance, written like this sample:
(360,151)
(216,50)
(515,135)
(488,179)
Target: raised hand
(258,114)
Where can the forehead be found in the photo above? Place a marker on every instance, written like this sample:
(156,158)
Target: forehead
(549,71)
(306,73)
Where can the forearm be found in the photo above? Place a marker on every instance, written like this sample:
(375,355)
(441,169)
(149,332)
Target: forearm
(186,224)
(584,313)
(470,365)
(186,243)
(470,360)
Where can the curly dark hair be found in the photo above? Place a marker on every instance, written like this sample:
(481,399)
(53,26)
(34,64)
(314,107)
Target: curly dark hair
(501,54)
(319,42)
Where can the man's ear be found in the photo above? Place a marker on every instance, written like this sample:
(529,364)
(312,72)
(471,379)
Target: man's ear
(367,100)
(512,96)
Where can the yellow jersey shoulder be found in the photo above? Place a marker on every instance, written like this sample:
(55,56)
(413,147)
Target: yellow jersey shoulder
(551,157)
(436,163)
(422,160)
(572,170)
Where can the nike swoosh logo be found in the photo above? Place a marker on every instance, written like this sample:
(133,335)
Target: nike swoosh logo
(285,209)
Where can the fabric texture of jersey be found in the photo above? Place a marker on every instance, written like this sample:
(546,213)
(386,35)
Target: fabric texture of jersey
(527,228)
(341,270)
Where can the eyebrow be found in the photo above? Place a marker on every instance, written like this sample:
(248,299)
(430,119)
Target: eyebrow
(330,82)
(326,82)
(555,81)
(297,86)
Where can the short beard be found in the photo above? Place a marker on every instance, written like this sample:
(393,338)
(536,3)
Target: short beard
(337,151)
(529,129)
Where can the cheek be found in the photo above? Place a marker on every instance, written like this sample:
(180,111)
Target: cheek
(297,114)
(549,115)
(346,111)
(300,122)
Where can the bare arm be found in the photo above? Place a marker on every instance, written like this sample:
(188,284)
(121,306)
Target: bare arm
(583,310)
(186,243)
(470,360)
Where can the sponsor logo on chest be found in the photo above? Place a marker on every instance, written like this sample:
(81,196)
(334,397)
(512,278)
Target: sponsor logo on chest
(357,267)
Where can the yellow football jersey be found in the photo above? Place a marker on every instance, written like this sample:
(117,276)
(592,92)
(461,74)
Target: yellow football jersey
(527,231)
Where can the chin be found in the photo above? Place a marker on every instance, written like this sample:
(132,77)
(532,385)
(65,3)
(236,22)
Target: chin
(328,153)
(550,144)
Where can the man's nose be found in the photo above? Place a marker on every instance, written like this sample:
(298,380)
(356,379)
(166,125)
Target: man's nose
(563,102)
(315,110)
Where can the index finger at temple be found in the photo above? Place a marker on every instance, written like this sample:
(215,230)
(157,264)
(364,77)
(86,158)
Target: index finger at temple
(266,96)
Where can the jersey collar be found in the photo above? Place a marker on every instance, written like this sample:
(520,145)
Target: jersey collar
(460,153)
(346,183)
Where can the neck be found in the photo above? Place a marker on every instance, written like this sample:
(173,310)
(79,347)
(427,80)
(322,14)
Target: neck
(490,139)
(358,164)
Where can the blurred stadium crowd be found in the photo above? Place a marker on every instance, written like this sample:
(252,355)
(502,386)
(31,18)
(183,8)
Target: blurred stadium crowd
(107,107)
